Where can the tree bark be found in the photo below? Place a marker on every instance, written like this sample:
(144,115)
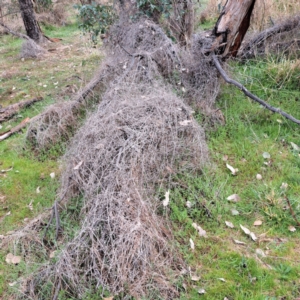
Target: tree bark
(232,26)
(31,25)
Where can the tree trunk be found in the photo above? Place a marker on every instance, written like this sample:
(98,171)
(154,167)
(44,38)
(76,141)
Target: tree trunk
(232,26)
(31,25)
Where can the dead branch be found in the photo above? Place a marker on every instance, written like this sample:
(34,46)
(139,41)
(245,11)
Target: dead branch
(29,48)
(258,42)
(11,110)
(14,130)
(249,94)
(20,35)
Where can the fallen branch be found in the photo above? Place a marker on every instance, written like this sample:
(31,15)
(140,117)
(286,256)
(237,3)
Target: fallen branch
(14,130)
(249,49)
(250,95)
(29,48)
(11,110)
(20,35)
(25,37)
(83,93)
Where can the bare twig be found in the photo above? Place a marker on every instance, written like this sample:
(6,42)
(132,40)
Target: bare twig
(48,225)
(57,290)
(250,95)
(57,220)
(292,211)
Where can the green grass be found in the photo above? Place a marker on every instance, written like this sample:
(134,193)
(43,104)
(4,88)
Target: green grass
(55,77)
(250,131)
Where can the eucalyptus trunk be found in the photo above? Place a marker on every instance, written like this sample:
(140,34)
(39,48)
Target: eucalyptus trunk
(31,25)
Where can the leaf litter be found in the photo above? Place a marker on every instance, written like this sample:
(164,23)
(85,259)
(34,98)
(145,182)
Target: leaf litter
(233,198)
(201,231)
(248,232)
(232,169)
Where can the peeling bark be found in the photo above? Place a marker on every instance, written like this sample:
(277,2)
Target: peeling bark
(232,26)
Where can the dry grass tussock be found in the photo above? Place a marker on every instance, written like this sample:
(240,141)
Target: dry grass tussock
(126,152)
(30,49)
(269,12)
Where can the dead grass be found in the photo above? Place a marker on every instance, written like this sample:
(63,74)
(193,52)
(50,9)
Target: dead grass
(188,71)
(117,160)
(139,135)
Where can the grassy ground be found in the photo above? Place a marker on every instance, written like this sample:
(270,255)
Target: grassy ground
(26,187)
(253,140)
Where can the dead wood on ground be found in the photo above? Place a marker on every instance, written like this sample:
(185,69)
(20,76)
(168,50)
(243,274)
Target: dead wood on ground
(250,95)
(270,39)
(5,135)
(8,112)
(120,161)
(189,71)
